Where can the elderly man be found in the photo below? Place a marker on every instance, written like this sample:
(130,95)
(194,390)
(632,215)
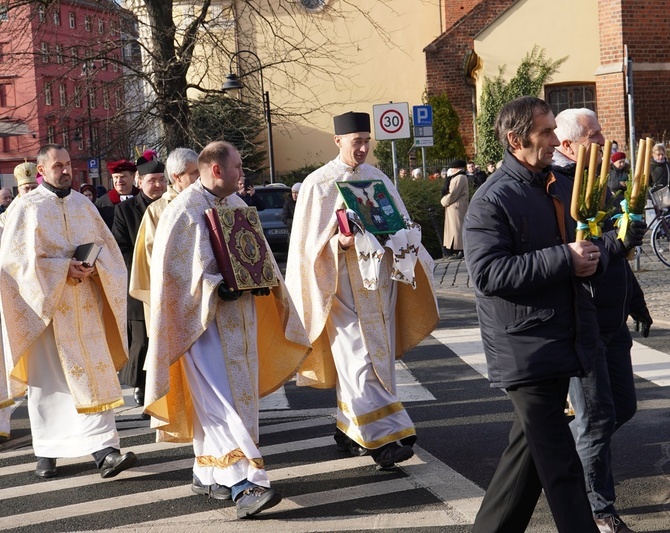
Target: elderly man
(213,351)
(537,319)
(5,199)
(127,219)
(181,169)
(357,330)
(123,177)
(65,322)
(604,399)
(26,178)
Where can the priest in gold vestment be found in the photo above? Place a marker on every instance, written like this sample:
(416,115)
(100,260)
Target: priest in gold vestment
(64,322)
(357,333)
(214,352)
(181,169)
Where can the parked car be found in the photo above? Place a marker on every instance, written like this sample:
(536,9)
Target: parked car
(275,230)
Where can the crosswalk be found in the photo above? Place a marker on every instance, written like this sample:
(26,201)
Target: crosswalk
(323,489)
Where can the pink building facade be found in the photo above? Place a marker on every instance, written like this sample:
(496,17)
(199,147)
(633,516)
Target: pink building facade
(61,81)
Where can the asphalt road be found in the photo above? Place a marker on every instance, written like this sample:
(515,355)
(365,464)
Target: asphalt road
(462,425)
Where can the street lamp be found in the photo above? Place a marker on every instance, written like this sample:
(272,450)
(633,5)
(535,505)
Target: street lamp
(87,70)
(233,83)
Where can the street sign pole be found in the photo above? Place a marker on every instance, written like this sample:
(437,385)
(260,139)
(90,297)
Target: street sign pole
(395,164)
(423,161)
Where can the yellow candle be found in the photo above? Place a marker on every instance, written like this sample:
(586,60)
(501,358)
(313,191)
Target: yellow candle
(647,160)
(604,171)
(577,185)
(591,178)
(639,165)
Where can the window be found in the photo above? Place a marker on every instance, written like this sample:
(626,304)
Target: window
(115,64)
(79,138)
(73,20)
(105,97)
(91,98)
(42,13)
(3,46)
(51,134)
(569,96)
(112,28)
(48,97)
(103,63)
(57,17)
(118,101)
(66,137)
(62,95)
(59,54)
(6,95)
(94,135)
(45,52)
(4,13)
(87,22)
(74,54)
(77,96)
(101,26)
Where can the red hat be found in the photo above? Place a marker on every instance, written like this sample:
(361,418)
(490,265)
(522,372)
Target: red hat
(618,156)
(120,166)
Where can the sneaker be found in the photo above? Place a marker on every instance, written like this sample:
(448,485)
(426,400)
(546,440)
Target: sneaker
(216,491)
(256,499)
(612,524)
(392,453)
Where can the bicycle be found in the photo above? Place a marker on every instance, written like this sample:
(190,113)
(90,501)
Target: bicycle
(659,226)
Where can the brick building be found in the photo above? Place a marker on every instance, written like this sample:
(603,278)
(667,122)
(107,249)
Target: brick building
(593,74)
(61,81)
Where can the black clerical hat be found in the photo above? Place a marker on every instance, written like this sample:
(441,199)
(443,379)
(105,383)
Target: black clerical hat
(150,167)
(457,163)
(351,122)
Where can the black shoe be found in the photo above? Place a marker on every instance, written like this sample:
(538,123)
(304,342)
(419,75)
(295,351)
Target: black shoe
(216,491)
(46,467)
(256,499)
(390,454)
(345,444)
(138,395)
(459,255)
(115,463)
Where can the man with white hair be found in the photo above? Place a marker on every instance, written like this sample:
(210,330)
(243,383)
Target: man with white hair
(604,399)
(181,169)
(5,199)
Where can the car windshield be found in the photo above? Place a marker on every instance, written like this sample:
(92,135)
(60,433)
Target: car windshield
(273,198)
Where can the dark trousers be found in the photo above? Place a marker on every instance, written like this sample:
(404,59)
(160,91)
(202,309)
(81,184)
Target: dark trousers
(540,455)
(603,401)
(133,374)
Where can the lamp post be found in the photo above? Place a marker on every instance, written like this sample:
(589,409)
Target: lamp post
(86,71)
(233,83)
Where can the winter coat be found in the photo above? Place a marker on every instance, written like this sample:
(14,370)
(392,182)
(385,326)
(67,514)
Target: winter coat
(455,203)
(538,320)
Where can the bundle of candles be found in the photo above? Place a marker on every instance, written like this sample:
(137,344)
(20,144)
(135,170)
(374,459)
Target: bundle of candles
(588,194)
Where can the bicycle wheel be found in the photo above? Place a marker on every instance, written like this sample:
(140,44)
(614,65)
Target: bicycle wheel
(660,239)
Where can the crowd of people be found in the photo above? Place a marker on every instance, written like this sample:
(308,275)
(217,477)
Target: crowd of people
(152,312)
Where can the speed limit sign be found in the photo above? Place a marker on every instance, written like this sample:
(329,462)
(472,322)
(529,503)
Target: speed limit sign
(391,121)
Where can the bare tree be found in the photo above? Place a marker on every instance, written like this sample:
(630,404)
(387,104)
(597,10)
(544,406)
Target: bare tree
(178,52)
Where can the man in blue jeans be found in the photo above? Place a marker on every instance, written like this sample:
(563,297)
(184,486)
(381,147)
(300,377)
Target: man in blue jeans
(604,399)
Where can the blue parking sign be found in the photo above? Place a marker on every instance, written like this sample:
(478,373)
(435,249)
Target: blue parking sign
(92,163)
(422,115)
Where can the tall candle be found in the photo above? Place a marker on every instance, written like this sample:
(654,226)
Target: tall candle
(604,171)
(639,166)
(591,178)
(647,160)
(577,185)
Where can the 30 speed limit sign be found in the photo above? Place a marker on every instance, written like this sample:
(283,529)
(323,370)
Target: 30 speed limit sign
(391,121)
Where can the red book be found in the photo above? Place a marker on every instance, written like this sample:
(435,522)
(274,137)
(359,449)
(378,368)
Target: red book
(240,250)
(343,222)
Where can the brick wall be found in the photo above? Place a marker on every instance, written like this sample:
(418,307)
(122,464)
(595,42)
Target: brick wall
(445,61)
(455,9)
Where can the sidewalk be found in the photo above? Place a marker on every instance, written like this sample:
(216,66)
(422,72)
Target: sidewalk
(452,280)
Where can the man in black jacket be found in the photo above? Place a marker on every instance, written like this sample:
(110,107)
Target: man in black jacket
(123,174)
(127,218)
(605,399)
(537,319)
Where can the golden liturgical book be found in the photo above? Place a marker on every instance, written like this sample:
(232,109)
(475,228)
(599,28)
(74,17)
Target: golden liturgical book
(239,248)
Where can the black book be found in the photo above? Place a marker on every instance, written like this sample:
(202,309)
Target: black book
(87,253)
